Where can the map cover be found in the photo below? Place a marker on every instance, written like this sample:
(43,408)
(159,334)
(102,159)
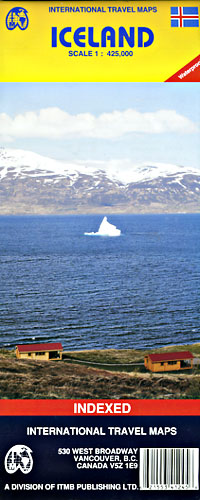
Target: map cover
(99,250)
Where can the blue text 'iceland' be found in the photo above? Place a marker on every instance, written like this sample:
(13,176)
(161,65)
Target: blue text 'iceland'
(109,36)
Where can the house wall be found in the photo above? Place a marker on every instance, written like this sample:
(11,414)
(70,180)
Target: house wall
(165,366)
(44,356)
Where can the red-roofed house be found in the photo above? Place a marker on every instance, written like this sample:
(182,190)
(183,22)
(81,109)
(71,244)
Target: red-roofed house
(41,352)
(169,361)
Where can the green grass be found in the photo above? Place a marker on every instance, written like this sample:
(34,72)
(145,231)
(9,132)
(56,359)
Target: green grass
(119,379)
(123,359)
(9,353)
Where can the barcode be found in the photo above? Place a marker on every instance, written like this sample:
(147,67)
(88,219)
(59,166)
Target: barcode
(169,469)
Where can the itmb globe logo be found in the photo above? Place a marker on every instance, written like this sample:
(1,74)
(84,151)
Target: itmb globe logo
(19,457)
(17,17)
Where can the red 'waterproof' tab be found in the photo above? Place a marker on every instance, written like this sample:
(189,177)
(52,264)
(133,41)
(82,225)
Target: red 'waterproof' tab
(189,73)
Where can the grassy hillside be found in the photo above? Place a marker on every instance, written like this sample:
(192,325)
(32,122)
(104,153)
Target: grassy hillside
(95,374)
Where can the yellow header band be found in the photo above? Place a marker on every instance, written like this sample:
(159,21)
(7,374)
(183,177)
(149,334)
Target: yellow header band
(93,41)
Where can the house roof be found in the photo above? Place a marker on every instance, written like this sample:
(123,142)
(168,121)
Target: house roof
(40,347)
(171,356)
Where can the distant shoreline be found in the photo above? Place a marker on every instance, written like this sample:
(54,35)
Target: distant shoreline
(100,213)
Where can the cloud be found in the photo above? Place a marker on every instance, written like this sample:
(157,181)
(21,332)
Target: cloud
(54,123)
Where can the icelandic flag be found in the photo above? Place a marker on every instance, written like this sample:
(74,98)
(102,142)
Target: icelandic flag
(184,17)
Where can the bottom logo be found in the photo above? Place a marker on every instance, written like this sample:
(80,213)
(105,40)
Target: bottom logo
(18,457)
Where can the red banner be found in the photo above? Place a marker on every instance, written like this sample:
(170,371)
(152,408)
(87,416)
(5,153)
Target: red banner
(189,73)
(98,407)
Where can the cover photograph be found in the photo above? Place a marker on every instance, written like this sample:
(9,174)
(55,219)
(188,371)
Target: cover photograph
(99,250)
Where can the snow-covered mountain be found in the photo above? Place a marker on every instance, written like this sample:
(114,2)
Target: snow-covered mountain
(30,183)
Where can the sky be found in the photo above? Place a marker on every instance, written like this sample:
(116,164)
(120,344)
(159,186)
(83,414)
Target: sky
(136,122)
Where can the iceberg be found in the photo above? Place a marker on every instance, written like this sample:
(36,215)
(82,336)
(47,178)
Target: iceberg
(106,229)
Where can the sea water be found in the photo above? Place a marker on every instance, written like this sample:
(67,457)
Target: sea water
(139,290)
